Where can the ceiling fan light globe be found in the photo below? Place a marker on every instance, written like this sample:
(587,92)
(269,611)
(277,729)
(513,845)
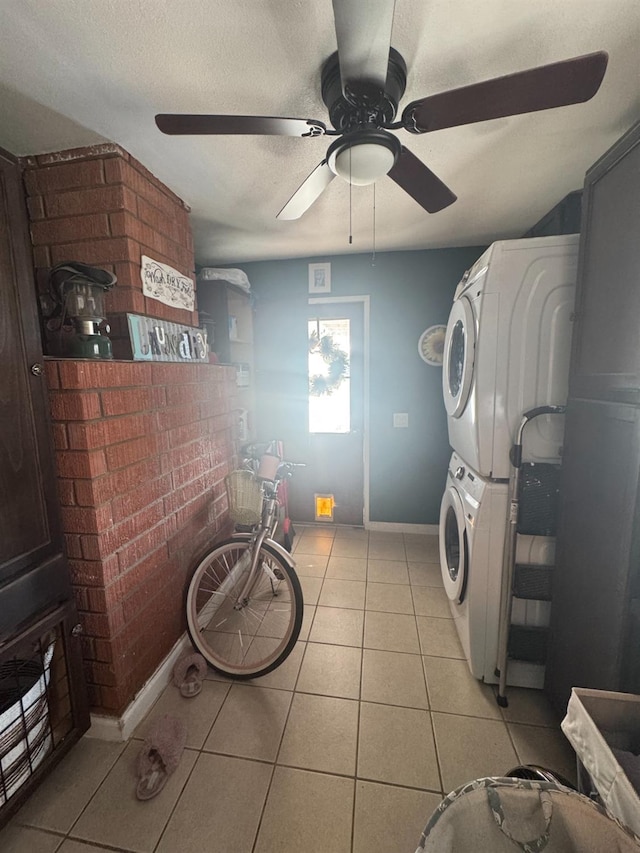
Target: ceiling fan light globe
(364,164)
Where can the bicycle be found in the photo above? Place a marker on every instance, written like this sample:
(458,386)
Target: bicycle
(244,601)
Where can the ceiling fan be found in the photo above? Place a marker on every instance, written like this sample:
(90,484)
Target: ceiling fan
(362,84)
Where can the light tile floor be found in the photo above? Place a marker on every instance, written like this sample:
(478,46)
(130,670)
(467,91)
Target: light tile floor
(346,748)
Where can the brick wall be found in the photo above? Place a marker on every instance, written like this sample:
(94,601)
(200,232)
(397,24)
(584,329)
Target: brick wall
(100,206)
(142,451)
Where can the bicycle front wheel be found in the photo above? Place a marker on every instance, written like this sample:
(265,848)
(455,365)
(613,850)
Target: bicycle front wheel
(244,638)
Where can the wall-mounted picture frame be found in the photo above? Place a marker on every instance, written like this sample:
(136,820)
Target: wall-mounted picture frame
(320,278)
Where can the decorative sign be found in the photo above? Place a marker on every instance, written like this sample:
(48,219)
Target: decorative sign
(167,285)
(159,340)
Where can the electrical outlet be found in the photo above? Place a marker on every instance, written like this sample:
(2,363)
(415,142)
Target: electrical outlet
(401,419)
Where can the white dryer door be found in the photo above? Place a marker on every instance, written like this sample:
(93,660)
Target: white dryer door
(454,557)
(459,356)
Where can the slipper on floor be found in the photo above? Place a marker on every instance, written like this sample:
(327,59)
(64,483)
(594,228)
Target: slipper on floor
(189,673)
(160,755)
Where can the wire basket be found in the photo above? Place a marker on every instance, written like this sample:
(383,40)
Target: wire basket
(245,497)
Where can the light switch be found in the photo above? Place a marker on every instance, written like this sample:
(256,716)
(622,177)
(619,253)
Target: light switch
(401,419)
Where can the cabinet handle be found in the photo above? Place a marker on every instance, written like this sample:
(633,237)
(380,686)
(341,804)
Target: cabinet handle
(37,369)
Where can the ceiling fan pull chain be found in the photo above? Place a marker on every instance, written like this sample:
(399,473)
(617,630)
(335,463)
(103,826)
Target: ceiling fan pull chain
(350,189)
(373,256)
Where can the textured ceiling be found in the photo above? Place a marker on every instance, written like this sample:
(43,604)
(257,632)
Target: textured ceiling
(75,72)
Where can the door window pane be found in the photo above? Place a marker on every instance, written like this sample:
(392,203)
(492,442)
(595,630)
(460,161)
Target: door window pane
(329,376)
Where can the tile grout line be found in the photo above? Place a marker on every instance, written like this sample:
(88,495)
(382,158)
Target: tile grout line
(182,790)
(357,756)
(426,686)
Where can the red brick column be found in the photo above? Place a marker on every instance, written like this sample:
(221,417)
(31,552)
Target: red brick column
(142,451)
(100,206)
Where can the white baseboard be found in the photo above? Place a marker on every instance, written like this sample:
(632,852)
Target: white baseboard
(393,527)
(121,728)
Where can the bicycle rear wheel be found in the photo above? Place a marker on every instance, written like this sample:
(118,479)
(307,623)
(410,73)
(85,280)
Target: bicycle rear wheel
(244,639)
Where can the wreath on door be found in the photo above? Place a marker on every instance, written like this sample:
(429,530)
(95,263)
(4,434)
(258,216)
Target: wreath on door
(337,362)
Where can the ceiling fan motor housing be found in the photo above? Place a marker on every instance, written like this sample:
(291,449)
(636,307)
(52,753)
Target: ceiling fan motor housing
(365,104)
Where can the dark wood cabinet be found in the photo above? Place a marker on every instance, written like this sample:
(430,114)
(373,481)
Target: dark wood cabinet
(598,552)
(29,530)
(595,613)
(606,335)
(37,614)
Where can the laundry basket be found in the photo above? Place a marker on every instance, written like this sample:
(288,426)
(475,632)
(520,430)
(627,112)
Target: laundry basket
(25,729)
(604,730)
(504,815)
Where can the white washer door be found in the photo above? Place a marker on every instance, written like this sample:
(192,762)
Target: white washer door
(459,356)
(454,557)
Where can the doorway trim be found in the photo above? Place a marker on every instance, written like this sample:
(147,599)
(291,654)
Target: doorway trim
(366,308)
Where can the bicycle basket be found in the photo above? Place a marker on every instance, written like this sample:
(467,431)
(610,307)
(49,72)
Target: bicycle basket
(245,497)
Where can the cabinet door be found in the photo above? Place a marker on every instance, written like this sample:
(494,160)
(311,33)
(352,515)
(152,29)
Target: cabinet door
(606,355)
(33,573)
(595,577)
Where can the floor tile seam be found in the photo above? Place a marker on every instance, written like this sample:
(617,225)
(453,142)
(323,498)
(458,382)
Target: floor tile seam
(101,845)
(353,805)
(273,771)
(338,773)
(397,651)
(263,809)
(442,657)
(467,716)
(219,711)
(439,760)
(304,692)
(402,787)
(393,612)
(178,798)
(57,833)
(396,704)
(443,618)
(513,744)
(555,728)
(430,729)
(121,751)
(396,707)
(269,762)
(294,692)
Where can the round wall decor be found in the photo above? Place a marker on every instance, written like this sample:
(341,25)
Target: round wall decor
(431,345)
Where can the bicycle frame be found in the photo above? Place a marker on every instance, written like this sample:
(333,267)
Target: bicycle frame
(264,532)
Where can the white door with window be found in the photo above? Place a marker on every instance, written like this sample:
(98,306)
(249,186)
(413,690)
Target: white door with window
(335,425)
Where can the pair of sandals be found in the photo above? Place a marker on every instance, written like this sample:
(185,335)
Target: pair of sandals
(165,741)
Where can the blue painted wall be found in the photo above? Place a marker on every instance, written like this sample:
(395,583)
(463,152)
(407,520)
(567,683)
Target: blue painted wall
(409,291)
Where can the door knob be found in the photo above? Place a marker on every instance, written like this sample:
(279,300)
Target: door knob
(37,369)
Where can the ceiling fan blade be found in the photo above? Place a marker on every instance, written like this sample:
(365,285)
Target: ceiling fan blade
(420,182)
(363,32)
(310,189)
(220,125)
(571,81)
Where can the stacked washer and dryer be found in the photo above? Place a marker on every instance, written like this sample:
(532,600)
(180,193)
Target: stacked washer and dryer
(507,350)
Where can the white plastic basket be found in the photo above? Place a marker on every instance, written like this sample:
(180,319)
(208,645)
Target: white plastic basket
(245,497)
(597,722)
